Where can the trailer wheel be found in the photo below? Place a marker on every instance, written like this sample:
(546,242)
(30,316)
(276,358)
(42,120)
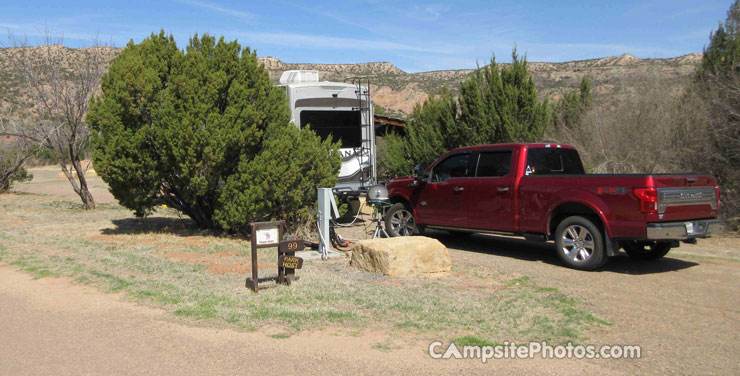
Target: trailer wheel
(580,244)
(646,250)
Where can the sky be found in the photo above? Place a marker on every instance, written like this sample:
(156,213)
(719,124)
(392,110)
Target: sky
(415,36)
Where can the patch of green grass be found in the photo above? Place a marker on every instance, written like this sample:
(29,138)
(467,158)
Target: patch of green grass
(203,310)
(547,289)
(566,325)
(522,281)
(481,276)
(157,296)
(302,316)
(578,315)
(471,340)
(281,336)
(114,283)
(382,346)
(386,346)
(43,273)
(32,267)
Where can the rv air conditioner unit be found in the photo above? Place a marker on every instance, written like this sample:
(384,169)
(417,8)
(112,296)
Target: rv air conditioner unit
(299,76)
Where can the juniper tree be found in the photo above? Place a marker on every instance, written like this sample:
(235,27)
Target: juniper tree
(204,131)
(500,104)
(497,103)
(426,131)
(569,110)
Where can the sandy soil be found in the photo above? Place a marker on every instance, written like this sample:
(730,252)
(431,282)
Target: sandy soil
(684,310)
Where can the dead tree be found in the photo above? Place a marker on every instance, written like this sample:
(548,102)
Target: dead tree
(60,82)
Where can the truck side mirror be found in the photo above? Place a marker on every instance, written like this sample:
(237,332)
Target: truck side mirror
(420,174)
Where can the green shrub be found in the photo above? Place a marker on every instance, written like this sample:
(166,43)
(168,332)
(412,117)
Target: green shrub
(496,104)
(204,131)
(10,174)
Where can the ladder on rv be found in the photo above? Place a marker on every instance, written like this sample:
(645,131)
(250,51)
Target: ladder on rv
(362,90)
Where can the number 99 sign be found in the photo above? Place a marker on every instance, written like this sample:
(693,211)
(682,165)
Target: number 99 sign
(291,246)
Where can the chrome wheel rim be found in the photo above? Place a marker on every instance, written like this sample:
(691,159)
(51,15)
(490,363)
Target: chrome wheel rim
(402,223)
(578,243)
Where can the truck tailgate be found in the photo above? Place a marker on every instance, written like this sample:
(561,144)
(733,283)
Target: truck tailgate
(686,197)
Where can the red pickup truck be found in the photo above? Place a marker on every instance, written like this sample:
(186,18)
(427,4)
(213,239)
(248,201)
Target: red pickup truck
(540,191)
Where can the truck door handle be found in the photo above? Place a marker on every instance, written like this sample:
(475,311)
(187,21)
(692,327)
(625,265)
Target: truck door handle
(458,189)
(502,189)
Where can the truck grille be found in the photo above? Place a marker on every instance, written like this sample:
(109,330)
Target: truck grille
(668,197)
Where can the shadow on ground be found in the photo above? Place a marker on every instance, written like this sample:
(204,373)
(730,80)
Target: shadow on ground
(545,252)
(154,225)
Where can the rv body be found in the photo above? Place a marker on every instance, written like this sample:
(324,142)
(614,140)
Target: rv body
(343,111)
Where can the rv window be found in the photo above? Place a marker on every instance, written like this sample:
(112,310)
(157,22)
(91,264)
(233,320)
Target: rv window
(341,125)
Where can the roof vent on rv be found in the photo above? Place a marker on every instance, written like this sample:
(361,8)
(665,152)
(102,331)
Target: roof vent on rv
(299,76)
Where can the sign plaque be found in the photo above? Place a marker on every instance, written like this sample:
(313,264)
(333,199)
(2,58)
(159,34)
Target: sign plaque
(268,236)
(264,235)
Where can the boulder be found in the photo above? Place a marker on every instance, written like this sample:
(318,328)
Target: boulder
(402,256)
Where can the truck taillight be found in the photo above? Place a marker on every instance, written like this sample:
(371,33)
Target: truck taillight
(648,199)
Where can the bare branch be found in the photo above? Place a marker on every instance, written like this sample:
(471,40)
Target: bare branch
(60,81)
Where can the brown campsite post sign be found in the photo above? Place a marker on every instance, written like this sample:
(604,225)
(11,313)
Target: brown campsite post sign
(287,261)
(268,234)
(264,235)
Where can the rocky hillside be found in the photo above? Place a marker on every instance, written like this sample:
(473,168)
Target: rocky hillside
(398,91)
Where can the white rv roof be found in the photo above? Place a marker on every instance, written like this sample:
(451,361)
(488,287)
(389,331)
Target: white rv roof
(324,85)
(310,78)
(299,76)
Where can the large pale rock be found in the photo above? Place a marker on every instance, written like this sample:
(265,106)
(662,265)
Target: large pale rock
(402,256)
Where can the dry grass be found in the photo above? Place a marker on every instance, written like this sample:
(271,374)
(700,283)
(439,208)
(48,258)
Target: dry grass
(166,262)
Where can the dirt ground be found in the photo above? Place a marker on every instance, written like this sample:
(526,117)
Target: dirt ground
(50,180)
(683,310)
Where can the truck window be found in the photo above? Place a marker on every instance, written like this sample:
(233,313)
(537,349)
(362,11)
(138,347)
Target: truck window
(548,161)
(493,164)
(340,125)
(455,166)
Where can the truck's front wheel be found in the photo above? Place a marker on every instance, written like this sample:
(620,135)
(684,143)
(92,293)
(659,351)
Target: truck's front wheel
(580,244)
(399,221)
(646,250)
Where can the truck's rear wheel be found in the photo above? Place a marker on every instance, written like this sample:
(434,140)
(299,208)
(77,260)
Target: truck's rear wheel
(646,250)
(580,244)
(399,221)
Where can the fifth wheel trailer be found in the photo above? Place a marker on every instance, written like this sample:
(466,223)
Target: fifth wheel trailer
(343,111)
